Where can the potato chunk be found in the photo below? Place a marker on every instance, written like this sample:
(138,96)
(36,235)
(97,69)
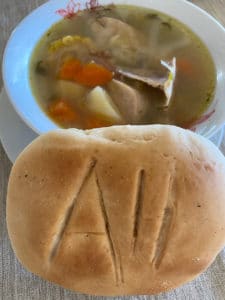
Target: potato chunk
(70,90)
(100,103)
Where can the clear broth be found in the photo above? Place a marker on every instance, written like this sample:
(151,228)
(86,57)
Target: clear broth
(165,38)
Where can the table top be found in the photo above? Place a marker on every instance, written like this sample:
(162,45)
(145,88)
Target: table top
(17,283)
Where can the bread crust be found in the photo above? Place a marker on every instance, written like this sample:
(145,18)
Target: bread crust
(125,210)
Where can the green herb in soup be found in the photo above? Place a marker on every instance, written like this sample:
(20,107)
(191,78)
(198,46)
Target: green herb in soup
(122,65)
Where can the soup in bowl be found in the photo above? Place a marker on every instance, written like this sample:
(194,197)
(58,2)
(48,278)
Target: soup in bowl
(101,64)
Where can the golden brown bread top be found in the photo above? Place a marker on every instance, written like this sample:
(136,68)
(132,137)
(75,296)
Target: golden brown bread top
(118,211)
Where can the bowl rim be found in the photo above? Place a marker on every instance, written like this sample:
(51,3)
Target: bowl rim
(35,126)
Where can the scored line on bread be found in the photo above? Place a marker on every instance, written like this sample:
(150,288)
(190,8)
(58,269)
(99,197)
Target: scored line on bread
(68,213)
(166,222)
(115,256)
(138,207)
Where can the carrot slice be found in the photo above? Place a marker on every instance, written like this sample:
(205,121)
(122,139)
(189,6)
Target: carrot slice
(62,112)
(93,122)
(90,74)
(185,66)
(93,75)
(69,69)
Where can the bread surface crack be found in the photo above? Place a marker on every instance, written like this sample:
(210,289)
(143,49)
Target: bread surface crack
(166,224)
(116,261)
(66,219)
(138,207)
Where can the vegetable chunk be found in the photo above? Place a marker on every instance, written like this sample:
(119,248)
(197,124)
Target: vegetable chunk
(100,103)
(90,74)
(63,112)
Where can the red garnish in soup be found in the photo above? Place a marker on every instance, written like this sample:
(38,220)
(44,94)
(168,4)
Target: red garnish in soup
(72,8)
(204,118)
(92,4)
(70,11)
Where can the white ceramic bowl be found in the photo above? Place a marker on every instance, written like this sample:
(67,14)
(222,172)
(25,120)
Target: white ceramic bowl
(24,38)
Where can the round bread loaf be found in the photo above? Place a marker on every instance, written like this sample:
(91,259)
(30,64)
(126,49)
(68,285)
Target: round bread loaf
(118,211)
